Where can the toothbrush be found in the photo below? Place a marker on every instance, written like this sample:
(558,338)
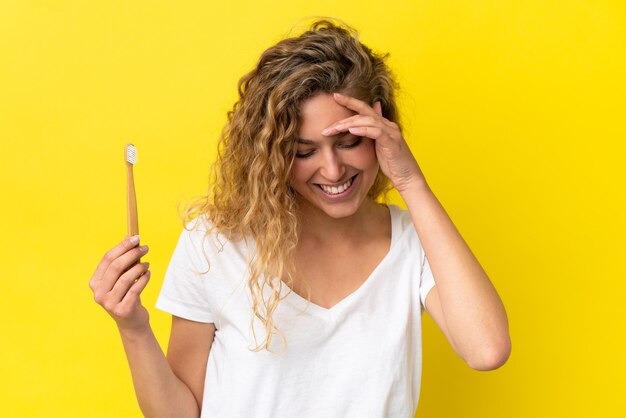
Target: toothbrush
(130,155)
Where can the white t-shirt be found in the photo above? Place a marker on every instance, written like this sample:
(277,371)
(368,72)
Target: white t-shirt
(361,358)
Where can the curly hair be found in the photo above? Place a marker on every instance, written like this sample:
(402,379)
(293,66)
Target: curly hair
(250,194)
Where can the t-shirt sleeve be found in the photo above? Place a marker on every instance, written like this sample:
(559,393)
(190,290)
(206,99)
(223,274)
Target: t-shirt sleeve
(183,292)
(427,281)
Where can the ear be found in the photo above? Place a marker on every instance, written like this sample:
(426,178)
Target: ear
(378,108)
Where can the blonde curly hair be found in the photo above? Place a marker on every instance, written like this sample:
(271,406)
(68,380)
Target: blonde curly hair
(250,195)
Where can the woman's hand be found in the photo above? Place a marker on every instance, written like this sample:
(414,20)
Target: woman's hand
(394,156)
(118,282)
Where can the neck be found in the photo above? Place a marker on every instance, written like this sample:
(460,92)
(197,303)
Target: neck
(318,226)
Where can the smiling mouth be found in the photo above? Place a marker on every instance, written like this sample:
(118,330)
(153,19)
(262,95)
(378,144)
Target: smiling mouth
(333,190)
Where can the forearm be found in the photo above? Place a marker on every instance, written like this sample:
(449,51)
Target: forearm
(159,392)
(474,314)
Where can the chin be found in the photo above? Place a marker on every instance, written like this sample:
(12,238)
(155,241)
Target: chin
(335,210)
(339,212)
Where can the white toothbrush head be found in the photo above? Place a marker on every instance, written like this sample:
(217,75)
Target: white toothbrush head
(131,154)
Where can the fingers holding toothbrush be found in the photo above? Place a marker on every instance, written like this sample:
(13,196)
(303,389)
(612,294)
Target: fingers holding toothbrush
(118,282)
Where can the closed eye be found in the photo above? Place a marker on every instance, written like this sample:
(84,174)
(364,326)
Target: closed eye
(304,155)
(346,145)
(352,144)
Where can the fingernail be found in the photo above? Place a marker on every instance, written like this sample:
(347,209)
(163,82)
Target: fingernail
(134,239)
(340,126)
(327,131)
(338,94)
(143,249)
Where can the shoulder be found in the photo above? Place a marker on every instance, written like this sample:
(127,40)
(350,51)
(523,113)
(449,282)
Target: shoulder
(200,234)
(404,226)
(201,228)
(402,220)
(401,216)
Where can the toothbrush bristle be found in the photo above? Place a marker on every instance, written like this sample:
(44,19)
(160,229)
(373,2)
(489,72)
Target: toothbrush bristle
(131,154)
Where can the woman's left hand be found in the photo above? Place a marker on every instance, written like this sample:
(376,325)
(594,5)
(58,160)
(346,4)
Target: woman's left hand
(394,156)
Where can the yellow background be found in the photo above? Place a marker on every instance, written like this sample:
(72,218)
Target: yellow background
(514,110)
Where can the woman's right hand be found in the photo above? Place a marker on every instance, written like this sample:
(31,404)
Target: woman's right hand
(118,282)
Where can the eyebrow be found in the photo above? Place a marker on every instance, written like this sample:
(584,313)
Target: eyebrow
(311,142)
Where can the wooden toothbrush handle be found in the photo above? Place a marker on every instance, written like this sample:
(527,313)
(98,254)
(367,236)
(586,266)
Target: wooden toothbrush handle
(131,202)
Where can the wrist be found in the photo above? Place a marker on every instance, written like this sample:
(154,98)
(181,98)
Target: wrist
(412,184)
(135,333)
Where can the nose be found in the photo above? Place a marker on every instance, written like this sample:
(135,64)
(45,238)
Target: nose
(332,168)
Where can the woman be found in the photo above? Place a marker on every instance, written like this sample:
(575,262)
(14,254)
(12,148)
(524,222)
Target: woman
(292,241)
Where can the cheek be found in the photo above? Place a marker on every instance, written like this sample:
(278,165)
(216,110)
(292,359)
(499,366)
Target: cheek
(299,171)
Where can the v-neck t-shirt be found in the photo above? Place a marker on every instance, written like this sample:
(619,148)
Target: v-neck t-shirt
(360,358)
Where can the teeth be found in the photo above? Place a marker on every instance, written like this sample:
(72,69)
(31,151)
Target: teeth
(336,190)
